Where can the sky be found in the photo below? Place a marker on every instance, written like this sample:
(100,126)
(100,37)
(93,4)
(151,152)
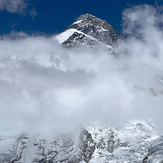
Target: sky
(53,16)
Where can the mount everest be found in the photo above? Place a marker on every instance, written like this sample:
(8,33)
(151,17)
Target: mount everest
(135,142)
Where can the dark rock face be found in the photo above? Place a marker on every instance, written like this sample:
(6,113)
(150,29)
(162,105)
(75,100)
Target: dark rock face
(155,152)
(86,148)
(86,145)
(97,28)
(44,161)
(111,143)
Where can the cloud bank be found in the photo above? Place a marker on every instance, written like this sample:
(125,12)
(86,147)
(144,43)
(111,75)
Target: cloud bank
(46,88)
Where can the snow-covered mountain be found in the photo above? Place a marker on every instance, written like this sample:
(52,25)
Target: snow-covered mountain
(97,28)
(98,143)
(155,152)
(89,31)
(137,142)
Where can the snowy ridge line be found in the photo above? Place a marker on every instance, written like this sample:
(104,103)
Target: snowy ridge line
(96,143)
(66,34)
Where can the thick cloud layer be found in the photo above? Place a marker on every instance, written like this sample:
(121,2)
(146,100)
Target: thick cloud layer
(46,88)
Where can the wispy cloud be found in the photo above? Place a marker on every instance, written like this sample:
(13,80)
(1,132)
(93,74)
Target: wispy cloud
(33,13)
(17,6)
(156,2)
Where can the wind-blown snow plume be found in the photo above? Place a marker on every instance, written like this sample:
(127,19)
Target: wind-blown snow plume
(45,88)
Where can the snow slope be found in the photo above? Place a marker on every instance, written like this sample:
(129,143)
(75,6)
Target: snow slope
(65,35)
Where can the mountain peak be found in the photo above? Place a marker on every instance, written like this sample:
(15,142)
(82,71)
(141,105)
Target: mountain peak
(97,28)
(91,20)
(89,31)
(86,17)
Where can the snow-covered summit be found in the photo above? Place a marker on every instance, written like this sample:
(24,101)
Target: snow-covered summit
(90,19)
(88,31)
(97,28)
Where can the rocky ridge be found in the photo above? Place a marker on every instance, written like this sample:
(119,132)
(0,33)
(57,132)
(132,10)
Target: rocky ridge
(36,149)
(137,142)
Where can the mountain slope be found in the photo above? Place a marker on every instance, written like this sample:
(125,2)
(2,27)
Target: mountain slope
(37,149)
(96,144)
(155,152)
(76,38)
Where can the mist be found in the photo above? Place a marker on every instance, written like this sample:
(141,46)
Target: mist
(45,88)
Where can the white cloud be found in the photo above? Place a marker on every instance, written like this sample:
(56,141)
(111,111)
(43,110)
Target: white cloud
(13,6)
(53,89)
(16,6)
(33,13)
